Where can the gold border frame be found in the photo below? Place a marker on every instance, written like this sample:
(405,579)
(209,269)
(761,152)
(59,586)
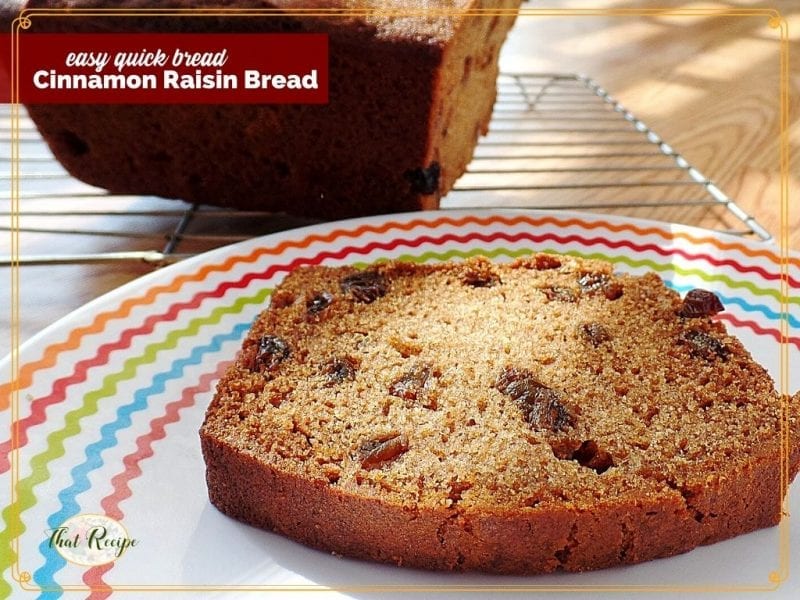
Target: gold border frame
(774,19)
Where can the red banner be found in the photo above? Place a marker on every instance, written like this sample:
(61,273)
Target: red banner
(274,68)
(5,67)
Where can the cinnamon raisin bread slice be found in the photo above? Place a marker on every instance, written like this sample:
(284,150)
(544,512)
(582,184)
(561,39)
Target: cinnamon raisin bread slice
(522,418)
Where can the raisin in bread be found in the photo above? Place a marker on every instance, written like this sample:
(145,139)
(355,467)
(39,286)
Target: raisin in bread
(522,418)
(409,96)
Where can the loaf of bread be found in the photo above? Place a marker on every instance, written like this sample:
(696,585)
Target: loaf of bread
(547,414)
(409,97)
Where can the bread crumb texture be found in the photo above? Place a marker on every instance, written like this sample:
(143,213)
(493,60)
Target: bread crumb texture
(520,418)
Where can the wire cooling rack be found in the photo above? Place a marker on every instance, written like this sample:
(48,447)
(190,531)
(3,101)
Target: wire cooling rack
(556,141)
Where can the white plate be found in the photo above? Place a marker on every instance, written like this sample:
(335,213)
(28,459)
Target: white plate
(113,395)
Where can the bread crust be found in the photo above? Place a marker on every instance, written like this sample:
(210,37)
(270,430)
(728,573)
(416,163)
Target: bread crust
(531,541)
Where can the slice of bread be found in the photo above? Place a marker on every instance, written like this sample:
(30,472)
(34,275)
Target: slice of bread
(547,414)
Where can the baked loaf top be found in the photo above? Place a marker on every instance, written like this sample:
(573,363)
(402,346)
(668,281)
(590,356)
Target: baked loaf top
(536,395)
(430,20)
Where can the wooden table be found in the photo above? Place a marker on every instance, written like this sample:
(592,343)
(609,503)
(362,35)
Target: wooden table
(709,84)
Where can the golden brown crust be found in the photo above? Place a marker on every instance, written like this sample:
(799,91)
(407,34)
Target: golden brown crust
(505,541)
(463,416)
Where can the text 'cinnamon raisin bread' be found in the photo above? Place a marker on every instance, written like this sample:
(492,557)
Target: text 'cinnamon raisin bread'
(547,414)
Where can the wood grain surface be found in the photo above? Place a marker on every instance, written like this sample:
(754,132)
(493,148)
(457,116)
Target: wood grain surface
(710,84)
(707,83)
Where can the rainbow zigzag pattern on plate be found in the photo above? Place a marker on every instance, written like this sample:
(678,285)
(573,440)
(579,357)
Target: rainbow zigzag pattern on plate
(204,296)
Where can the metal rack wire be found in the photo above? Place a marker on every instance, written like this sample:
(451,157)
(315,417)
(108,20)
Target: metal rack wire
(556,141)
